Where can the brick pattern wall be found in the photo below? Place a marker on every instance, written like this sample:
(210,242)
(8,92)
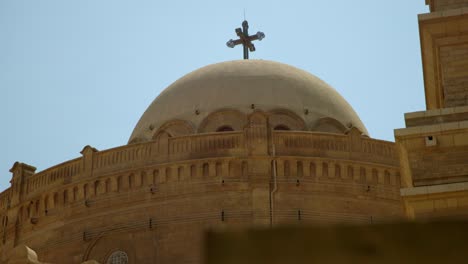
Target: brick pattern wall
(439,166)
(454,68)
(439,5)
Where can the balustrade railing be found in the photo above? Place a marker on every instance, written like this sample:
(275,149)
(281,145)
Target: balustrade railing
(287,143)
(203,144)
(122,155)
(378,147)
(54,174)
(309,142)
(334,145)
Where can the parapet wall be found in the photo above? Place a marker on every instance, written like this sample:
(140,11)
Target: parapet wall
(210,145)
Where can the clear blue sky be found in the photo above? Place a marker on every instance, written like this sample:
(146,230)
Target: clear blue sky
(74,73)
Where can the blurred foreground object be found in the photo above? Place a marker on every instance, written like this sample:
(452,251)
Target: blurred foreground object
(437,242)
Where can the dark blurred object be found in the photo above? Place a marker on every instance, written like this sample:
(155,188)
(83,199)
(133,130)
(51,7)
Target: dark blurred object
(437,242)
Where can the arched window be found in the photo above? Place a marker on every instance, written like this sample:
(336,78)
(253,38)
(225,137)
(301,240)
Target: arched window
(375,175)
(300,169)
(119,183)
(118,257)
(46,203)
(362,174)
(206,169)
(168,172)
(193,171)
(387,177)
(75,193)
(155,176)
(312,169)
(143,178)
(108,185)
(232,169)
(131,181)
(65,196)
(37,207)
(218,168)
(245,168)
(56,200)
(85,191)
(96,187)
(287,169)
(29,211)
(350,171)
(224,129)
(180,173)
(281,127)
(325,169)
(337,171)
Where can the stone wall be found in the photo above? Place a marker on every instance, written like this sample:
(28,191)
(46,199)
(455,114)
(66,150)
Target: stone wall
(454,66)
(444,55)
(154,200)
(441,5)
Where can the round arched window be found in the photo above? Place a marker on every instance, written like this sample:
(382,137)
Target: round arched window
(224,129)
(118,257)
(281,127)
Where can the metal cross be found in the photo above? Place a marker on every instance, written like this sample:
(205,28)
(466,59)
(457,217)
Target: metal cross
(245,39)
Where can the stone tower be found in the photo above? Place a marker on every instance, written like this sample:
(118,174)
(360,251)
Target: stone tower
(433,147)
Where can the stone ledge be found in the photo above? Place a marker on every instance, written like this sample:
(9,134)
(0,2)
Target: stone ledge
(437,112)
(434,189)
(428,129)
(443,13)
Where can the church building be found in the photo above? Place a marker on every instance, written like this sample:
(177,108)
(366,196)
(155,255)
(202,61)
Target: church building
(249,143)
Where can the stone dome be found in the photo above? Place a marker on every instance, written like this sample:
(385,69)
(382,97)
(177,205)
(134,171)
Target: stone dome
(246,86)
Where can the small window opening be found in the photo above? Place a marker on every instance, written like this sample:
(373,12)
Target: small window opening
(281,127)
(224,129)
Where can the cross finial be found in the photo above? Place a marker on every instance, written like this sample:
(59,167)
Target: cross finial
(245,39)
